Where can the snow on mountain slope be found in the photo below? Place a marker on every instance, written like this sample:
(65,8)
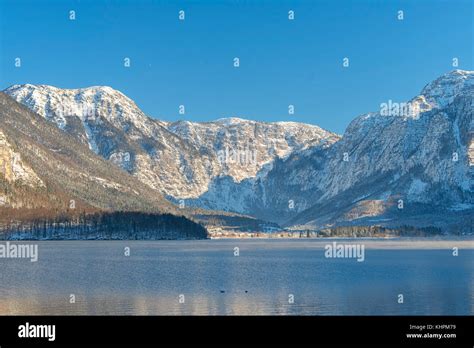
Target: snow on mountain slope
(442,91)
(404,163)
(244,147)
(86,103)
(413,168)
(436,140)
(396,167)
(44,167)
(179,159)
(115,128)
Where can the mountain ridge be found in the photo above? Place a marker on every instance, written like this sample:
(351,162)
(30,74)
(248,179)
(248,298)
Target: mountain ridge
(420,152)
(115,128)
(53,187)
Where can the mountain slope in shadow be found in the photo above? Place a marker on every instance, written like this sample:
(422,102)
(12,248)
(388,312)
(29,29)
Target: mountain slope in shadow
(52,186)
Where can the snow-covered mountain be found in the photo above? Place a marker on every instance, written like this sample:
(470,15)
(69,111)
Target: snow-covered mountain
(115,128)
(412,167)
(54,187)
(180,159)
(411,164)
(407,163)
(244,147)
(42,167)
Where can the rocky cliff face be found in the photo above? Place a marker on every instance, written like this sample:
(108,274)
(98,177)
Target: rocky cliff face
(392,167)
(407,163)
(179,159)
(53,187)
(44,167)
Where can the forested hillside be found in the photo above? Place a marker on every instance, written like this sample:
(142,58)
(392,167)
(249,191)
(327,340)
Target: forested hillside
(53,186)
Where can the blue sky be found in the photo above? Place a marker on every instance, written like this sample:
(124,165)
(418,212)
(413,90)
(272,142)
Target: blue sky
(282,62)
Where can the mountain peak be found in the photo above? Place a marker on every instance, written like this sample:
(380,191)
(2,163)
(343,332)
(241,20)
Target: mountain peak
(459,72)
(442,91)
(227,121)
(53,102)
(48,89)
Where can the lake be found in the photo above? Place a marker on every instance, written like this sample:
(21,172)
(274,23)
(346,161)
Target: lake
(268,277)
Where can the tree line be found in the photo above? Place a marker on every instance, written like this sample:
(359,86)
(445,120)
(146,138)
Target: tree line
(103,225)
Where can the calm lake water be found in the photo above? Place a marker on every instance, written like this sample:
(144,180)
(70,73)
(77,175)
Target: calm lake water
(257,282)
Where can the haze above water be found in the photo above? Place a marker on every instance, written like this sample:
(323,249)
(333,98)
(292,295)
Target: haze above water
(257,282)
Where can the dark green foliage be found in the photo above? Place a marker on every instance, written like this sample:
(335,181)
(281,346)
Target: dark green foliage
(113,225)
